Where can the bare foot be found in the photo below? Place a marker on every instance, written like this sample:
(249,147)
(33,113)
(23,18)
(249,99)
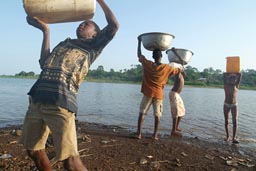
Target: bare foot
(74,163)
(137,136)
(227,139)
(176,134)
(178,129)
(235,141)
(154,138)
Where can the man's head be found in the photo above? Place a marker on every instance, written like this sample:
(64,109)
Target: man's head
(157,54)
(232,78)
(87,30)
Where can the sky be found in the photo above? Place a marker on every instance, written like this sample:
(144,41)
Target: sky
(211,29)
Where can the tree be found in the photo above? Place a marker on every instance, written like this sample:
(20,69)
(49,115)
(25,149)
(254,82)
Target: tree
(192,74)
(100,72)
(100,68)
(25,74)
(134,74)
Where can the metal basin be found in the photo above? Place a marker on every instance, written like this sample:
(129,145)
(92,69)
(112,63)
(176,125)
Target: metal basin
(156,40)
(180,56)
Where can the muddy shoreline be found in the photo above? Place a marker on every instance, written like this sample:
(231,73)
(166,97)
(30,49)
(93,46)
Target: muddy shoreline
(113,148)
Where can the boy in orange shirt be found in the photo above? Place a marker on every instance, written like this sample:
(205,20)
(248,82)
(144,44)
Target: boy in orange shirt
(155,76)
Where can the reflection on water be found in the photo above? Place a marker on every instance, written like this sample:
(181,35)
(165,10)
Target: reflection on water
(13,99)
(118,104)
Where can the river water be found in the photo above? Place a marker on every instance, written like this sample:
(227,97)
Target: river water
(118,104)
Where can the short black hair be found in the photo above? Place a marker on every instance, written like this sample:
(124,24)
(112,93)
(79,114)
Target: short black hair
(157,53)
(97,28)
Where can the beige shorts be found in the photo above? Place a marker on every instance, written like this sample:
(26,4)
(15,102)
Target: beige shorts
(157,105)
(177,105)
(40,119)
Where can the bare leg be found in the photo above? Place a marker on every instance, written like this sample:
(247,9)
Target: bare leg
(226,111)
(140,122)
(174,133)
(74,164)
(157,121)
(178,123)
(40,159)
(174,124)
(234,121)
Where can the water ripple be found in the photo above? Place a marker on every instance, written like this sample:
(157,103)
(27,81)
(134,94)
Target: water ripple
(118,104)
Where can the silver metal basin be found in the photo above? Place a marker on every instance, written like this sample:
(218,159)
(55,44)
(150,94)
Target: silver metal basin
(156,40)
(181,56)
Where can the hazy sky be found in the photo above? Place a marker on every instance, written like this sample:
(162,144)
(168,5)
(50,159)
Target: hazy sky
(212,29)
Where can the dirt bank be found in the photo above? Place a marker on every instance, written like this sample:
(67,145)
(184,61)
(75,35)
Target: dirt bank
(111,148)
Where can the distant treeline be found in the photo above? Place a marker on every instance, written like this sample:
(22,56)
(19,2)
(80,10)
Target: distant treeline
(207,77)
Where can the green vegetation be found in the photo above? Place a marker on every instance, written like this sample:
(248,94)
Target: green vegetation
(206,78)
(22,74)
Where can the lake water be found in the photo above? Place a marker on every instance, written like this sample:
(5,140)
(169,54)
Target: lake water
(118,104)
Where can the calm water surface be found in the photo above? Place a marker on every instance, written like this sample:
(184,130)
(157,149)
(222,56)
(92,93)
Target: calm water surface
(118,104)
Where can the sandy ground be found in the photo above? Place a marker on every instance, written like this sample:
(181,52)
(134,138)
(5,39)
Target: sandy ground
(111,148)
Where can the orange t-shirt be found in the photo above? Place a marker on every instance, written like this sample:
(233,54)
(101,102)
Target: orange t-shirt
(155,77)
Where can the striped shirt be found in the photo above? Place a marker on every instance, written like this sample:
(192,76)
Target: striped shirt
(65,68)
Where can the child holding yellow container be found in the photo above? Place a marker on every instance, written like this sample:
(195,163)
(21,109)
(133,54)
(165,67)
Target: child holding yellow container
(232,78)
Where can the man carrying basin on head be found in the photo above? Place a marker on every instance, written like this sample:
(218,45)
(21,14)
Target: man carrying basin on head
(155,76)
(53,102)
(176,102)
(177,105)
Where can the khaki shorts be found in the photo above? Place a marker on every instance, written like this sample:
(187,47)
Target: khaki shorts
(40,120)
(157,105)
(177,105)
